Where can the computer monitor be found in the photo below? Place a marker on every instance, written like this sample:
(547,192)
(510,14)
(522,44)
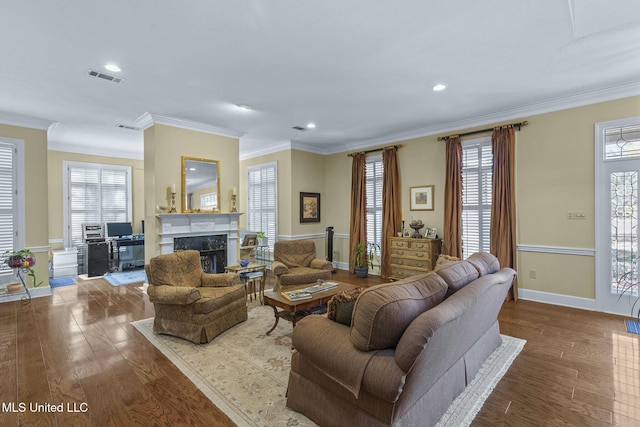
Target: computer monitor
(119,229)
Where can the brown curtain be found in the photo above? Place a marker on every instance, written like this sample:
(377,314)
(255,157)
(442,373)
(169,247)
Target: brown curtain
(391,221)
(503,203)
(358,230)
(452,235)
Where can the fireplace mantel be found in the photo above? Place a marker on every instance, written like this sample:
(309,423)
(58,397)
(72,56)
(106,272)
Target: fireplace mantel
(175,225)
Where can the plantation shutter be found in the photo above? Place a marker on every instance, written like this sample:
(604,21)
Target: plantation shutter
(374,172)
(477,163)
(97,194)
(262,200)
(8,202)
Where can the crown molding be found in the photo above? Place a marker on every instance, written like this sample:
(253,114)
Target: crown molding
(95,150)
(149,119)
(556,104)
(24,121)
(270,149)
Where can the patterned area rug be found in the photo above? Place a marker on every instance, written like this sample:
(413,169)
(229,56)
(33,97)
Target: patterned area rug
(245,372)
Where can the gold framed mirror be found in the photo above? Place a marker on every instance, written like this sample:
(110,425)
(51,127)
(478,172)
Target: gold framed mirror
(200,185)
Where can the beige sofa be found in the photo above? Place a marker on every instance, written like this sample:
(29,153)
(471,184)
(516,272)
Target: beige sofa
(189,303)
(411,349)
(295,263)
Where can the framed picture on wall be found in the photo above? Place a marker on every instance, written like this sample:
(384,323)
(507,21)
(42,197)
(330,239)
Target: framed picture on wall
(421,198)
(309,207)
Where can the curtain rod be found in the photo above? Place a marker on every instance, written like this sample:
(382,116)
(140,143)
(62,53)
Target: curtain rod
(516,125)
(374,150)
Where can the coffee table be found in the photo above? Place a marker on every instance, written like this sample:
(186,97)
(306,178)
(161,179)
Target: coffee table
(292,311)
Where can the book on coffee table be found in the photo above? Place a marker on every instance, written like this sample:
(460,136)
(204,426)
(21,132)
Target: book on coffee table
(296,295)
(321,287)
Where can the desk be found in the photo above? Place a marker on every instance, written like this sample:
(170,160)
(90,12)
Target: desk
(127,253)
(248,279)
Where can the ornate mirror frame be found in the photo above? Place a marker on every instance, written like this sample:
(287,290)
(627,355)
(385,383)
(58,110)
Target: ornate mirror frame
(200,185)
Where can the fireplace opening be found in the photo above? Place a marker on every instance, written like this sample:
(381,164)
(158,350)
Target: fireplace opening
(213,250)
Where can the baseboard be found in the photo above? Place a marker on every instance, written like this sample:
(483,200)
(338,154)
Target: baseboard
(557,299)
(40,291)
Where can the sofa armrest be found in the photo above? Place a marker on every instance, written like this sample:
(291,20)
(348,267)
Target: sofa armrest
(321,264)
(279,268)
(326,345)
(219,279)
(166,294)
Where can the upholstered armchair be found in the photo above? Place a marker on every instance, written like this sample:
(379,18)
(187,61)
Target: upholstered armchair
(295,263)
(189,303)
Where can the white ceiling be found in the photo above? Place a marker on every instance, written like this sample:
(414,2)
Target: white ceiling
(362,70)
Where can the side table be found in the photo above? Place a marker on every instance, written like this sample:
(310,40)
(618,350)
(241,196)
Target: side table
(249,279)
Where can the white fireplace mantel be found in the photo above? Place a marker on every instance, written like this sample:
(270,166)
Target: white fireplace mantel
(175,225)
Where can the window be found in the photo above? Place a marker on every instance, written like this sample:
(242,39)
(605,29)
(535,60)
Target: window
(95,193)
(8,202)
(374,171)
(262,200)
(477,164)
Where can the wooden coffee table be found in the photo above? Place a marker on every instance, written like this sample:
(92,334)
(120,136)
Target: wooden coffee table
(295,310)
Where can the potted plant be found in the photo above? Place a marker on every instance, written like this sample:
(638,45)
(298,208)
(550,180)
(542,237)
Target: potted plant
(365,256)
(263,240)
(23,260)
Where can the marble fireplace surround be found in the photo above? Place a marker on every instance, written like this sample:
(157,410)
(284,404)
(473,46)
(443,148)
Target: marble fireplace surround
(175,225)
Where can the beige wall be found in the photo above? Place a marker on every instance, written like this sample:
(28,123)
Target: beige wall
(164,147)
(56,161)
(36,190)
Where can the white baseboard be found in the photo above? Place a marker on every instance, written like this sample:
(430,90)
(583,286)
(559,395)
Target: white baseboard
(557,299)
(40,291)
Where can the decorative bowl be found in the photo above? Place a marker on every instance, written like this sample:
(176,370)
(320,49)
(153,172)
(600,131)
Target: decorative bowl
(14,287)
(244,262)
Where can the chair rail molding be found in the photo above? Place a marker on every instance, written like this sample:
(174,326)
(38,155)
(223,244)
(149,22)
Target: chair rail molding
(558,250)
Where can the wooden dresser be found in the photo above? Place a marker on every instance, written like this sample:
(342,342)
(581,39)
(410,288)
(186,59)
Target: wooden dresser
(413,256)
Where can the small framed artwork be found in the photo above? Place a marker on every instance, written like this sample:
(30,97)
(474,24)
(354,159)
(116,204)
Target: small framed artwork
(421,198)
(432,233)
(309,207)
(250,240)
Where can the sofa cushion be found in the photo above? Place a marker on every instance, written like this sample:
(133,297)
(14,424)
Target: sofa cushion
(457,275)
(340,306)
(484,262)
(382,312)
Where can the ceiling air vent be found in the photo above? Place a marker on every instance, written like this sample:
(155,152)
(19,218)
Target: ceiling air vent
(128,127)
(299,128)
(98,74)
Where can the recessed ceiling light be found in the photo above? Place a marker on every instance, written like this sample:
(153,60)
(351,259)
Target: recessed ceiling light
(112,67)
(439,87)
(311,125)
(245,107)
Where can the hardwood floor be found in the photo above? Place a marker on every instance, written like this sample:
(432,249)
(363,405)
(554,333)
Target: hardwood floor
(77,348)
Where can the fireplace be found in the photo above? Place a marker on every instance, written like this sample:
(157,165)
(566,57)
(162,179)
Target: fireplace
(220,227)
(213,250)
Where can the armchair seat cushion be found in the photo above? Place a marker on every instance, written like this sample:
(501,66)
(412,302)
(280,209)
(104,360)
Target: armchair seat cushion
(217,298)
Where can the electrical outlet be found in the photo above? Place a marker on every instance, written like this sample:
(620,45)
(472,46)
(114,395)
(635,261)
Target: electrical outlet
(532,274)
(576,215)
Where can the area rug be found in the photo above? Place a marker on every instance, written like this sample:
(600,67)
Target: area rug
(62,281)
(126,277)
(245,372)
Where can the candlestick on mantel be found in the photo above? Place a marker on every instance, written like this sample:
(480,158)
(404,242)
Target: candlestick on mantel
(234,191)
(173,188)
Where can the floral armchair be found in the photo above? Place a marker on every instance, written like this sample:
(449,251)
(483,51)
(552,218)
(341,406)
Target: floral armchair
(295,263)
(189,303)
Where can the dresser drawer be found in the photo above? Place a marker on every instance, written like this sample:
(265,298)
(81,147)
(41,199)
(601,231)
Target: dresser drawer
(410,252)
(421,262)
